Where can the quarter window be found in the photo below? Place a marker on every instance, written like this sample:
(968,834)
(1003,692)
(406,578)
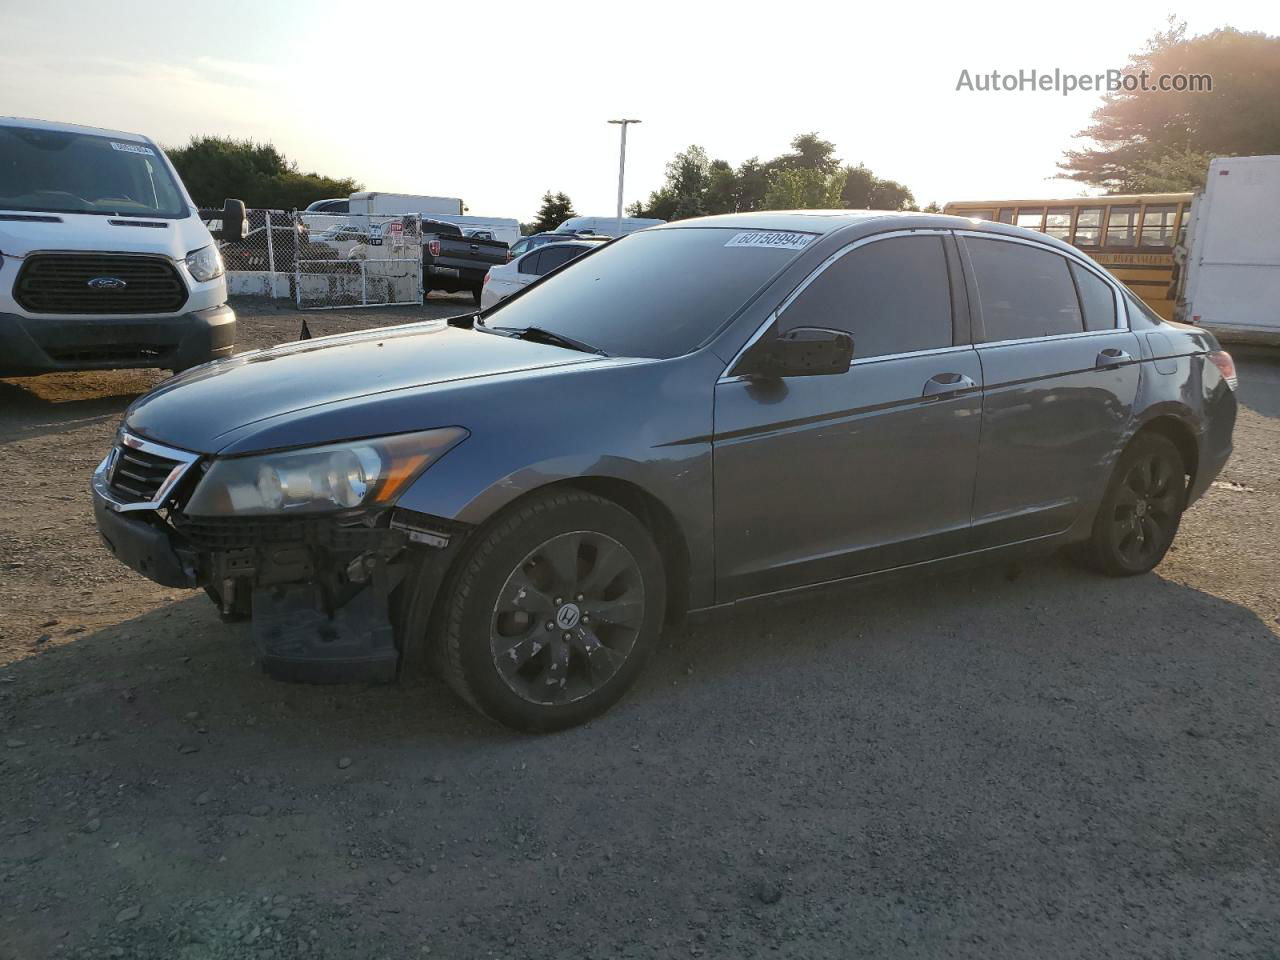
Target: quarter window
(892,296)
(1096,298)
(1023,291)
(530,263)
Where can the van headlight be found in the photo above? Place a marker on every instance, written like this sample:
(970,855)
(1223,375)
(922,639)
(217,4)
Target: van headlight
(341,476)
(205,263)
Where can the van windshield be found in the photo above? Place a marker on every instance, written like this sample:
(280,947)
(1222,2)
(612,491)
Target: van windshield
(52,171)
(659,293)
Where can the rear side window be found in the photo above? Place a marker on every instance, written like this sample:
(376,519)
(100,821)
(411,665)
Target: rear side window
(530,263)
(1023,291)
(892,296)
(555,257)
(1096,298)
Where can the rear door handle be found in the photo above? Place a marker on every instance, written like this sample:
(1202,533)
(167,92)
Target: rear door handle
(945,385)
(1111,357)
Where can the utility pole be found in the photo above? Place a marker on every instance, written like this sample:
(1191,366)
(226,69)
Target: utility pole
(622,166)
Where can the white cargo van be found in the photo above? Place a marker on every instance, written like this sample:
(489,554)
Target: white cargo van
(104,262)
(1230,257)
(607,226)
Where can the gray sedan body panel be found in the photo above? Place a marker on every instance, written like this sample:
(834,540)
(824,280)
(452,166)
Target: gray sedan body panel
(771,485)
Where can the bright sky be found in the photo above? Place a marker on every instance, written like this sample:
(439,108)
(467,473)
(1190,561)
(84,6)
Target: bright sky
(449,98)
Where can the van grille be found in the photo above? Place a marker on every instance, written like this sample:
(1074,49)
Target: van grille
(60,283)
(138,476)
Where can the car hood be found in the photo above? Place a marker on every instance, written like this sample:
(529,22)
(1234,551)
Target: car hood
(88,232)
(389,380)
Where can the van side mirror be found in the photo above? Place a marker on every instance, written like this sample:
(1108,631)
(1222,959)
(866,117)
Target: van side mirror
(235,221)
(800,352)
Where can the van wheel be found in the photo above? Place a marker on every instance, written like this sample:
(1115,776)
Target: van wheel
(1141,510)
(552,611)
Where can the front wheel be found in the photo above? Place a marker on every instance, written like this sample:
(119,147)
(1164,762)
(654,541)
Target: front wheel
(1141,510)
(552,611)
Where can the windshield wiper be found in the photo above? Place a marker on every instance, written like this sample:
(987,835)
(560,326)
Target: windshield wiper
(542,335)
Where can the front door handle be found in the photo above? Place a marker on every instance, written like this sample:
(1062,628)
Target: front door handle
(945,385)
(1111,357)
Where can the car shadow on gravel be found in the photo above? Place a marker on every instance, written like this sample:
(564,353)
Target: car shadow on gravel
(55,404)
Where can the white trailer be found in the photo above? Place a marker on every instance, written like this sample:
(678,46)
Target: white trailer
(371,202)
(1230,256)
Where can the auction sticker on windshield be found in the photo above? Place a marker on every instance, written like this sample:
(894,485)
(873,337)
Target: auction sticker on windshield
(133,148)
(772,239)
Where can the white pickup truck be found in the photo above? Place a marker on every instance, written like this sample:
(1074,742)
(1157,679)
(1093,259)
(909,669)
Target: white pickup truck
(104,262)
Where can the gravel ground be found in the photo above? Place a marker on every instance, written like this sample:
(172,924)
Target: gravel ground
(1013,762)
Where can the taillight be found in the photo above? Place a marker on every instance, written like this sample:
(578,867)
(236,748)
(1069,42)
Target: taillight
(433,247)
(485,280)
(1226,366)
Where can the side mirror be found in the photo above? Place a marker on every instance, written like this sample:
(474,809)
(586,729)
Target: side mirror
(235,221)
(800,352)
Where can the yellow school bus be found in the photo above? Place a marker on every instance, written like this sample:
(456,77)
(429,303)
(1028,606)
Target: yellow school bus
(1132,235)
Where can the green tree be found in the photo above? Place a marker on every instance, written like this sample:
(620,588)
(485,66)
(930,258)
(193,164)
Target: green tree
(215,168)
(809,152)
(1145,141)
(804,189)
(556,209)
(863,190)
(683,194)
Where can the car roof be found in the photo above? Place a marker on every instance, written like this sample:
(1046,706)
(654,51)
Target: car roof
(567,243)
(55,126)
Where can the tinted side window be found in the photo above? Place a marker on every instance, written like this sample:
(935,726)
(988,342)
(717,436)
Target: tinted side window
(892,295)
(1023,292)
(1096,298)
(555,257)
(530,264)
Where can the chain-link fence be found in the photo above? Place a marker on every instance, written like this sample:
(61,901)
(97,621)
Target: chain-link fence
(325,260)
(358,261)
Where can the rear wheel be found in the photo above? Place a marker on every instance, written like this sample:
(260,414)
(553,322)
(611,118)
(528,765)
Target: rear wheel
(552,612)
(1141,510)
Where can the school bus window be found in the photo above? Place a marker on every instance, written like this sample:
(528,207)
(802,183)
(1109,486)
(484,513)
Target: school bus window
(1057,222)
(1088,226)
(978,214)
(1157,226)
(1030,217)
(1005,215)
(1122,225)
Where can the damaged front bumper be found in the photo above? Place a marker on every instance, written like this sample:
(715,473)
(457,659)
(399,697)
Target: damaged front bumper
(320,590)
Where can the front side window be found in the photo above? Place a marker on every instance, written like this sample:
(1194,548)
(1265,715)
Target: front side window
(1122,227)
(891,296)
(51,171)
(1096,298)
(657,293)
(1023,291)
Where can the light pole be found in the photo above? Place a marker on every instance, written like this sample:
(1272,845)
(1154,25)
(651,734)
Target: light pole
(622,166)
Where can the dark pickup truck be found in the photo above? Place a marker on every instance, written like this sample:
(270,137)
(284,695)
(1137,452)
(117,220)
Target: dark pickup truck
(453,262)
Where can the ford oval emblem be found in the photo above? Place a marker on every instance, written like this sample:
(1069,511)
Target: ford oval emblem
(107,283)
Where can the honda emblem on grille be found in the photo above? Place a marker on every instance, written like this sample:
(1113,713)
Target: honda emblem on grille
(107,283)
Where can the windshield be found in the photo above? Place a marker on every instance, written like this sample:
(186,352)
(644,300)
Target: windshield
(655,294)
(52,171)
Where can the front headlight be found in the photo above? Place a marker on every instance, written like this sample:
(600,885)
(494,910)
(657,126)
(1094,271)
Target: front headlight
(205,263)
(342,476)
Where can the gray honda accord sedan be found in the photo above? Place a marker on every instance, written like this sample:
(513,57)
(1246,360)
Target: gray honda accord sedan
(692,416)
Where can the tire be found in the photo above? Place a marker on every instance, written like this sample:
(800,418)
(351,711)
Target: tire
(510,651)
(1140,512)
